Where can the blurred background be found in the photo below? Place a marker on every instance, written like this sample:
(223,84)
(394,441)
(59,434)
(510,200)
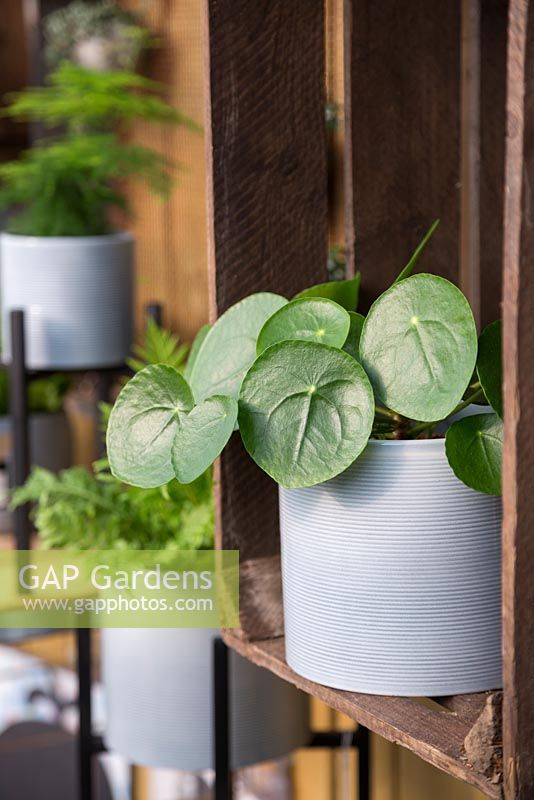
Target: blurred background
(162,41)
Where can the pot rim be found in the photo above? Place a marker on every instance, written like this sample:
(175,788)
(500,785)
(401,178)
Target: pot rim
(67,241)
(410,442)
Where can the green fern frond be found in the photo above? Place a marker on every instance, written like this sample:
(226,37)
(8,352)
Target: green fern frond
(66,187)
(159,347)
(67,184)
(81,98)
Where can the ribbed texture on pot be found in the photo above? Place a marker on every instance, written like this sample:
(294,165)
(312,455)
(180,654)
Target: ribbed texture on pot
(77,295)
(159,690)
(391,576)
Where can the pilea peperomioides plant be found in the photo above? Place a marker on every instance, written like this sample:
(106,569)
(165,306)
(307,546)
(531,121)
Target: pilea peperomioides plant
(309,381)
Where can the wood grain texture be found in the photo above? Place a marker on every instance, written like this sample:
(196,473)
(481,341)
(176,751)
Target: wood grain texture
(260,597)
(171,259)
(469,272)
(13,73)
(267,210)
(402,100)
(518,468)
(436,736)
(493,26)
(336,135)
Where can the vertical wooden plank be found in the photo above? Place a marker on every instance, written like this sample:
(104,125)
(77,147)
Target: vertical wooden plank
(171,237)
(493,27)
(425,89)
(518,470)
(335,135)
(13,74)
(266,195)
(402,87)
(483,89)
(469,272)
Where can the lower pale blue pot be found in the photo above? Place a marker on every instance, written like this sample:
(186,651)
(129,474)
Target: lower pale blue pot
(391,576)
(159,693)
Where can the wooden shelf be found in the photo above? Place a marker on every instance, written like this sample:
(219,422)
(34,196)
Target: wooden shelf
(428,98)
(460,735)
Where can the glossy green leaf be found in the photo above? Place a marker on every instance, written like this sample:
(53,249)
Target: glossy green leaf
(352,342)
(489,365)
(201,436)
(314,319)
(195,347)
(305,412)
(419,347)
(343,292)
(143,423)
(474,450)
(230,346)
(408,269)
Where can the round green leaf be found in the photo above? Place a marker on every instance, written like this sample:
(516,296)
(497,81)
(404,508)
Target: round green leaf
(229,348)
(313,319)
(143,423)
(305,412)
(489,365)
(343,292)
(352,343)
(419,347)
(474,450)
(201,436)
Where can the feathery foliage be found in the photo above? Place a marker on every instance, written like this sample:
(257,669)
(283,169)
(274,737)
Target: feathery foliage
(87,511)
(160,346)
(80,98)
(68,183)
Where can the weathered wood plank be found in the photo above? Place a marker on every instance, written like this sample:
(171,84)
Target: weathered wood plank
(518,469)
(260,597)
(267,199)
(469,271)
(402,112)
(13,74)
(437,737)
(493,27)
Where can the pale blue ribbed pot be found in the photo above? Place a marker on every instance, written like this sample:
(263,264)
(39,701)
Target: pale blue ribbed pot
(159,694)
(77,295)
(391,576)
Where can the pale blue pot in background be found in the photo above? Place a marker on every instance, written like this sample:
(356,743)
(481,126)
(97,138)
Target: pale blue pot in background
(391,576)
(77,295)
(158,686)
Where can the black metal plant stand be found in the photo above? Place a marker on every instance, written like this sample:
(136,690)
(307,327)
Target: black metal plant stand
(222,726)
(20,467)
(90,745)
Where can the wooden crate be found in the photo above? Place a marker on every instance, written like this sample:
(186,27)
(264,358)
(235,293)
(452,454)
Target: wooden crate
(430,89)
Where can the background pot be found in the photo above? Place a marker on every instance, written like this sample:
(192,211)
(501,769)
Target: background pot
(391,576)
(50,447)
(158,687)
(77,293)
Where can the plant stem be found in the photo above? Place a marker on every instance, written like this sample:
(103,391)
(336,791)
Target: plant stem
(385,412)
(424,426)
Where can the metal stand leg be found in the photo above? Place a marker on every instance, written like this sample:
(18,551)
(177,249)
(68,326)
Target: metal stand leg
(18,409)
(221,720)
(154,311)
(363,763)
(85,735)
